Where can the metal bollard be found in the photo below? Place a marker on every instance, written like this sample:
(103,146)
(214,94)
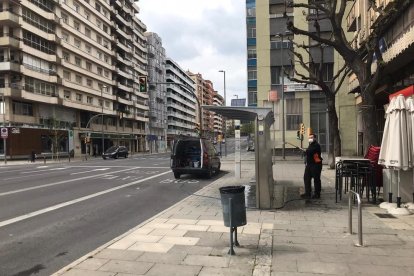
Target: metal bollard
(360,242)
(44,159)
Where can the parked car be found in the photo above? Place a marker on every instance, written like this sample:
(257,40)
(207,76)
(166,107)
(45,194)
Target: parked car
(115,152)
(191,155)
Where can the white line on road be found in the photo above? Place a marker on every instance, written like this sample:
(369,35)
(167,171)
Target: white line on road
(67,203)
(102,169)
(63,182)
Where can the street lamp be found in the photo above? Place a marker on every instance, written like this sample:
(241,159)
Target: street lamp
(281,36)
(102,113)
(225,124)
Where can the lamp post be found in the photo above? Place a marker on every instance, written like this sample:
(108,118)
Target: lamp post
(102,113)
(4,124)
(225,104)
(283,95)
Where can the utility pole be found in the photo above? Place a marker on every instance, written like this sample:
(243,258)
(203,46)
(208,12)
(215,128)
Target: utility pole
(225,104)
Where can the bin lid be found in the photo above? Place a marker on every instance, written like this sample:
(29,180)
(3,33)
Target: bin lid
(232,189)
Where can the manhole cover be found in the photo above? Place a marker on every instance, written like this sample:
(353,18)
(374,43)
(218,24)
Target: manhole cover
(384,215)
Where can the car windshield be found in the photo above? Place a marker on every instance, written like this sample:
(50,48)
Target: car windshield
(111,149)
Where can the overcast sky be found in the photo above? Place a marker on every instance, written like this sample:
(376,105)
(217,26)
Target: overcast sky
(203,36)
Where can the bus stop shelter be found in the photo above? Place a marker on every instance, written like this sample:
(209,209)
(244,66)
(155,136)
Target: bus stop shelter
(263,118)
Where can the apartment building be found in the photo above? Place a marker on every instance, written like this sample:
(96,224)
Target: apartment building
(157,92)
(205,94)
(396,45)
(270,60)
(68,71)
(218,100)
(182,104)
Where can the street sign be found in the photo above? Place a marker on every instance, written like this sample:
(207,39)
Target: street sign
(4,132)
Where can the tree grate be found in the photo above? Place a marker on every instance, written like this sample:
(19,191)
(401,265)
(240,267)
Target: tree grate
(384,215)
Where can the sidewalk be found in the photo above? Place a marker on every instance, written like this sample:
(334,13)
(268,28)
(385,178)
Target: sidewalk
(303,238)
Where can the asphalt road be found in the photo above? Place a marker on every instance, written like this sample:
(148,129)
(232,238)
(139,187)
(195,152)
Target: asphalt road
(50,215)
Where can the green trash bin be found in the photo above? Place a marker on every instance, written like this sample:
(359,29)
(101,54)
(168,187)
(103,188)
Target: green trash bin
(238,208)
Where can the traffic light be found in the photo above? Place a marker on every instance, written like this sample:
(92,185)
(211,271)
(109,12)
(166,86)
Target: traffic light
(143,85)
(298,135)
(302,128)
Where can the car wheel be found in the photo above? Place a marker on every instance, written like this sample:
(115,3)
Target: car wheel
(218,169)
(116,156)
(177,175)
(104,158)
(126,155)
(210,173)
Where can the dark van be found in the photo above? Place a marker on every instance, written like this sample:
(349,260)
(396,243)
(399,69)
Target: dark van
(191,155)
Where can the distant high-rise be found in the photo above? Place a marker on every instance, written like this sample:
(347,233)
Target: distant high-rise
(251,52)
(181,102)
(157,92)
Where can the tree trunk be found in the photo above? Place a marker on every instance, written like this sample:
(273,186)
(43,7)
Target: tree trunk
(369,120)
(335,143)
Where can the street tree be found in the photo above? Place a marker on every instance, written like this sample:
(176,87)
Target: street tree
(361,54)
(314,74)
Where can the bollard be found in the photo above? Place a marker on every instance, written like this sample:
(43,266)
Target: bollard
(360,242)
(44,159)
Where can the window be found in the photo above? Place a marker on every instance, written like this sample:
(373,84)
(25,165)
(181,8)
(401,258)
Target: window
(106,73)
(21,108)
(106,44)
(89,99)
(98,23)
(87,15)
(88,49)
(276,74)
(252,74)
(89,82)
(79,97)
(88,32)
(99,39)
(251,53)
(78,61)
(99,70)
(66,56)
(76,25)
(66,94)
(98,7)
(293,113)
(79,79)
(66,75)
(98,55)
(100,102)
(106,58)
(76,7)
(105,29)
(89,66)
(251,32)
(106,104)
(77,43)
(65,37)
(65,18)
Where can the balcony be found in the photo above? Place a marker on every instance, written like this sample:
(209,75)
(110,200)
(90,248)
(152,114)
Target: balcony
(10,41)
(125,87)
(123,101)
(9,18)
(123,33)
(10,66)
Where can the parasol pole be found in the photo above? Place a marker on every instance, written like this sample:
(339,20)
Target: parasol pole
(398,191)
(390,186)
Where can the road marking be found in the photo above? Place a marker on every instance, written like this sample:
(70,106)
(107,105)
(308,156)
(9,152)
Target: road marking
(71,202)
(51,169)
(63,182)
(102,169)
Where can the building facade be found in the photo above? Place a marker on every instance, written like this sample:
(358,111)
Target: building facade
(218,100)
(182,104)
(205,95)
(251,52)
(157,92)
(68,71)
(294,103)
(397,47)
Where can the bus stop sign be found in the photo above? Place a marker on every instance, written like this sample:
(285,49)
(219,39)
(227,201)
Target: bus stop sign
(4,132)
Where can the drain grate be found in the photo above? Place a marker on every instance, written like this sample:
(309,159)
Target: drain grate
(384,215)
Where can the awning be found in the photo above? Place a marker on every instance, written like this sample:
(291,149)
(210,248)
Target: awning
(243,113)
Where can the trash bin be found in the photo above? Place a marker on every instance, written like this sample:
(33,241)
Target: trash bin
(236,194)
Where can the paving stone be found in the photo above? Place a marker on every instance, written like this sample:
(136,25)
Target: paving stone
(82,272)
(192,227)
(379,270)
(169,258)
(214,271)
(124,243)
(323,268)
(285,266)
(126,267)
(183,221)
(173,270)
(144,238)
(212,261)
(161,225)
(261,270)
(92,263)
(116,254)
(142,231)
(180,240)
(216,228)
(193,249)
(151,247)
(211,222)
(168,232)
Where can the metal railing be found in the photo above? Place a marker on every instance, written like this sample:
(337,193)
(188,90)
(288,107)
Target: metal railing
(350,193)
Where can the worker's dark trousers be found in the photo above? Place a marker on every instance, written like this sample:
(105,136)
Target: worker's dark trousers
(312,171)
